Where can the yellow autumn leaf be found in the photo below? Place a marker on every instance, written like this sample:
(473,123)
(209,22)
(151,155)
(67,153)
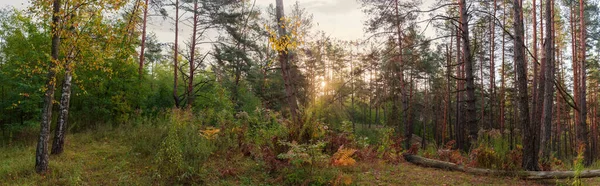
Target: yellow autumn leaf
(210,133)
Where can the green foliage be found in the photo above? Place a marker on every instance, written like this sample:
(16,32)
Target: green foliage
(494,152)
(578,165)
(371,135)
(22,70)
(386,142)
(430,151)
(301,155)
(312,126)
(305,158)
(263,126)
(183,149)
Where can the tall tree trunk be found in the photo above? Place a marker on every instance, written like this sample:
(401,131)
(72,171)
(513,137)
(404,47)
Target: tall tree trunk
(575,66)
(540,89)
(492,66)
(426,97)
(545,143)
(530,131)
(534,104)
(190,91)
(559,110)
(63,113)
(41,154)
(593,118)
(353,90)
(583,135)
(410,114)
(143,45)
(176,54)
(459,119)
(404,97)
(482,96)
(502,77)
(447,106)
(285,67)
(471,119)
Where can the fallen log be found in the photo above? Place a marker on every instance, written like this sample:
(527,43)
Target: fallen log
(529,175)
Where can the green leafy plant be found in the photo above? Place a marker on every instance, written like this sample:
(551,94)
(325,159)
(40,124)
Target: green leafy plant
(386,141)
(304,158)
(578,165)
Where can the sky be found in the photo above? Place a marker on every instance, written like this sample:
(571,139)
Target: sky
(341,19)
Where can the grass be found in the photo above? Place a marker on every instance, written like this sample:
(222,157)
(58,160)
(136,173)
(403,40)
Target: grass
(108,157)
(85,160)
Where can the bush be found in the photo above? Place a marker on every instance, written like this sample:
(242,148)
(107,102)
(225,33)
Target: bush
(304,158)
(389,147)
(494,152)
(578,165)
(183,149)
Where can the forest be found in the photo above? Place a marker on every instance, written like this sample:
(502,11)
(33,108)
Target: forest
(255,92)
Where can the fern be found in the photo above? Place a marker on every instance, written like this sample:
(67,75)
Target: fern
(343,157)
(210,133)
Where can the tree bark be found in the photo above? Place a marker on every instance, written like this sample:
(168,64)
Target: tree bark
(190,91)
(63,115)
(492,66)
(41,154)
(502,77)
(545,143)
(535,87)
(143,45)
(447,106)
(176,55)
(576,76)
(539,97)
(583,131)
(404,97)
(285,67)
(460,130)
(530,131)
(471,119)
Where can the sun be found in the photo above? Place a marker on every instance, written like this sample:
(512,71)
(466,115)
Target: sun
(323,84)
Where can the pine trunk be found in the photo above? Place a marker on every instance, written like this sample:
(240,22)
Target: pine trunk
(530,131)
(492,67)
(143,45)
(502,77)
(545,143)
(176,54)
(190,91)
(583,135)
(460,130)
(471,119)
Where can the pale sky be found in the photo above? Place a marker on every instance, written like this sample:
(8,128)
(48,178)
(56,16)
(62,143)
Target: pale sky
(341,19)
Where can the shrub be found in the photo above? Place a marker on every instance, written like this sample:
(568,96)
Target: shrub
(578,165)
(184,149)
(486,157)
(304,158)
(493,152)
(447,154)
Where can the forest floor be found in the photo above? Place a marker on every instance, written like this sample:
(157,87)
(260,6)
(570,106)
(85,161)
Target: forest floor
(92,159)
